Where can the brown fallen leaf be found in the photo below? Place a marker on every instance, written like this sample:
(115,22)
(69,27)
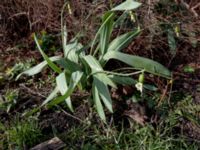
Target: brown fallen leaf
(136,113)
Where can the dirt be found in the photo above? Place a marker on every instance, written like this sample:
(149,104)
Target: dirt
(11,52)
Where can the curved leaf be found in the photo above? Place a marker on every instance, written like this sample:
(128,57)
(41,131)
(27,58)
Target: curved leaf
(68,65)
(98,70)
(127,5)
(99,31)
(122,80)
(140,63)
(93,63)
(106,80)
(51,96)
(106,31)
(103,92)
(38,68)
(50,63)
(97,103)
(123,40)
(64,38)
(63,87)
(74,80)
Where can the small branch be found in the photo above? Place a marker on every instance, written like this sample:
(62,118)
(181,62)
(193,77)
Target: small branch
(193,9)
(72,116)
(18,14)
(31,91)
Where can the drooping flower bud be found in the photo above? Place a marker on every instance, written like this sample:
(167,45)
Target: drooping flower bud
(141,78)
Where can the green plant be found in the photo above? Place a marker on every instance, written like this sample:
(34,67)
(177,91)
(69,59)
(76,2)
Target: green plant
(17,68)
(46,41)
(9,100)
(21,134)
(139,138)
(79,69)
(189,69)
(187,109)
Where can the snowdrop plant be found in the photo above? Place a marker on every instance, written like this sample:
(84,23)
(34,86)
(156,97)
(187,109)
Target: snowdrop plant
(83,68)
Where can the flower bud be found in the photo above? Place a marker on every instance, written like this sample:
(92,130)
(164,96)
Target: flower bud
(141,78)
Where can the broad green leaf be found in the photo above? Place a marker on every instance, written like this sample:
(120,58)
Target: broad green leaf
(99,31)
(68,48)
(69,65)
(106,31)
(93,63)
(140,63)
(74,80)
(73,54)
(130,81)
(122,41)
(106,80)
(103,92)
(63,87)
(97,102)
(52,95)
(122,80)
(85,67)
(127,5)
(72,50)
(150,87)
(98,70)
(38,68)
(50,63)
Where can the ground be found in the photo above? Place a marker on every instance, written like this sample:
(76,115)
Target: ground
(167,118)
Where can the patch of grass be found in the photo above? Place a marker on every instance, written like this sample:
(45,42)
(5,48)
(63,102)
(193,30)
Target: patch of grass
(12,72)
(165,135)
(10,99)
(97,136)
(20,134)
(140,138)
